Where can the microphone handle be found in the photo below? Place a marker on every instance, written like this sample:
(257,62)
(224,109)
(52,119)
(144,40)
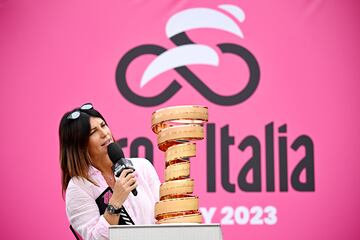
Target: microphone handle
(134,192)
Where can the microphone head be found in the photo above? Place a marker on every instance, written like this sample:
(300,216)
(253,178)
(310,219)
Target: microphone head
(115,153)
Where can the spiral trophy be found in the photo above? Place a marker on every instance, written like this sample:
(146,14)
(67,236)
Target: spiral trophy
(177,128)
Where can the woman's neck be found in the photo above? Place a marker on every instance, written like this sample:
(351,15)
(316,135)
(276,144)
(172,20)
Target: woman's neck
(103,164)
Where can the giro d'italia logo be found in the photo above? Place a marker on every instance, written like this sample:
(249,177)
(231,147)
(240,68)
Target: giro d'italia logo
(186,53)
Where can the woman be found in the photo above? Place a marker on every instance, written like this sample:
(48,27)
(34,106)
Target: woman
(94,197)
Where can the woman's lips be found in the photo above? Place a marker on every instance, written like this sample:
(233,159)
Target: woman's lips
(107,142)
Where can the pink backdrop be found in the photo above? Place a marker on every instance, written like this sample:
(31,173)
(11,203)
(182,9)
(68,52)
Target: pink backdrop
(55,55)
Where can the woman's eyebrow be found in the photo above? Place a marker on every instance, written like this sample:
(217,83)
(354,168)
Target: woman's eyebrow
(94,128)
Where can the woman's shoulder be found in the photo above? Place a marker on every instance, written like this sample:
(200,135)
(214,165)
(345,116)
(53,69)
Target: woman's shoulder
(140,162)
(144,165)
(78,183)
(82,184)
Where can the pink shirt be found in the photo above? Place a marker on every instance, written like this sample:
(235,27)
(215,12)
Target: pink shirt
(83,213)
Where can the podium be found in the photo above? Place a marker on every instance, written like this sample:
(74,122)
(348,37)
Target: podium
(166,232)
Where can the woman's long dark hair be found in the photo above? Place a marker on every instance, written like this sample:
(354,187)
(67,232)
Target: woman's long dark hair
(74,137)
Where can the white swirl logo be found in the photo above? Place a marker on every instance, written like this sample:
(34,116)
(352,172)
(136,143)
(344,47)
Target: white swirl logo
(189,53)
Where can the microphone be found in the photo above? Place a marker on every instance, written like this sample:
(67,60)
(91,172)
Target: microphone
(119,161)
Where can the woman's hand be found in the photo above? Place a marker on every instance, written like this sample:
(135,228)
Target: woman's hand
(122,187)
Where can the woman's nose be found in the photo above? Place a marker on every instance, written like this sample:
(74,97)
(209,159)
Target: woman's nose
(103,132)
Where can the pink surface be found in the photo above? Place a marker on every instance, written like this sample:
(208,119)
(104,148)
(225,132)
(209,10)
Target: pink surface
(57,55)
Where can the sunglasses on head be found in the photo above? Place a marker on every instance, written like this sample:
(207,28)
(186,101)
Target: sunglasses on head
(76,113)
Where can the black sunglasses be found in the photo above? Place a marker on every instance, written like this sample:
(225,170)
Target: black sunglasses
(76,113)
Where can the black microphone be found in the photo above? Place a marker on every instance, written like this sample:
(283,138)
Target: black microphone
(119,161)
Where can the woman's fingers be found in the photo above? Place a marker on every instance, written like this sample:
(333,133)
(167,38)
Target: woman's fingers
(131,180)
(133,186)
(130,177)
(124,185)
(127,180)
(125,172)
